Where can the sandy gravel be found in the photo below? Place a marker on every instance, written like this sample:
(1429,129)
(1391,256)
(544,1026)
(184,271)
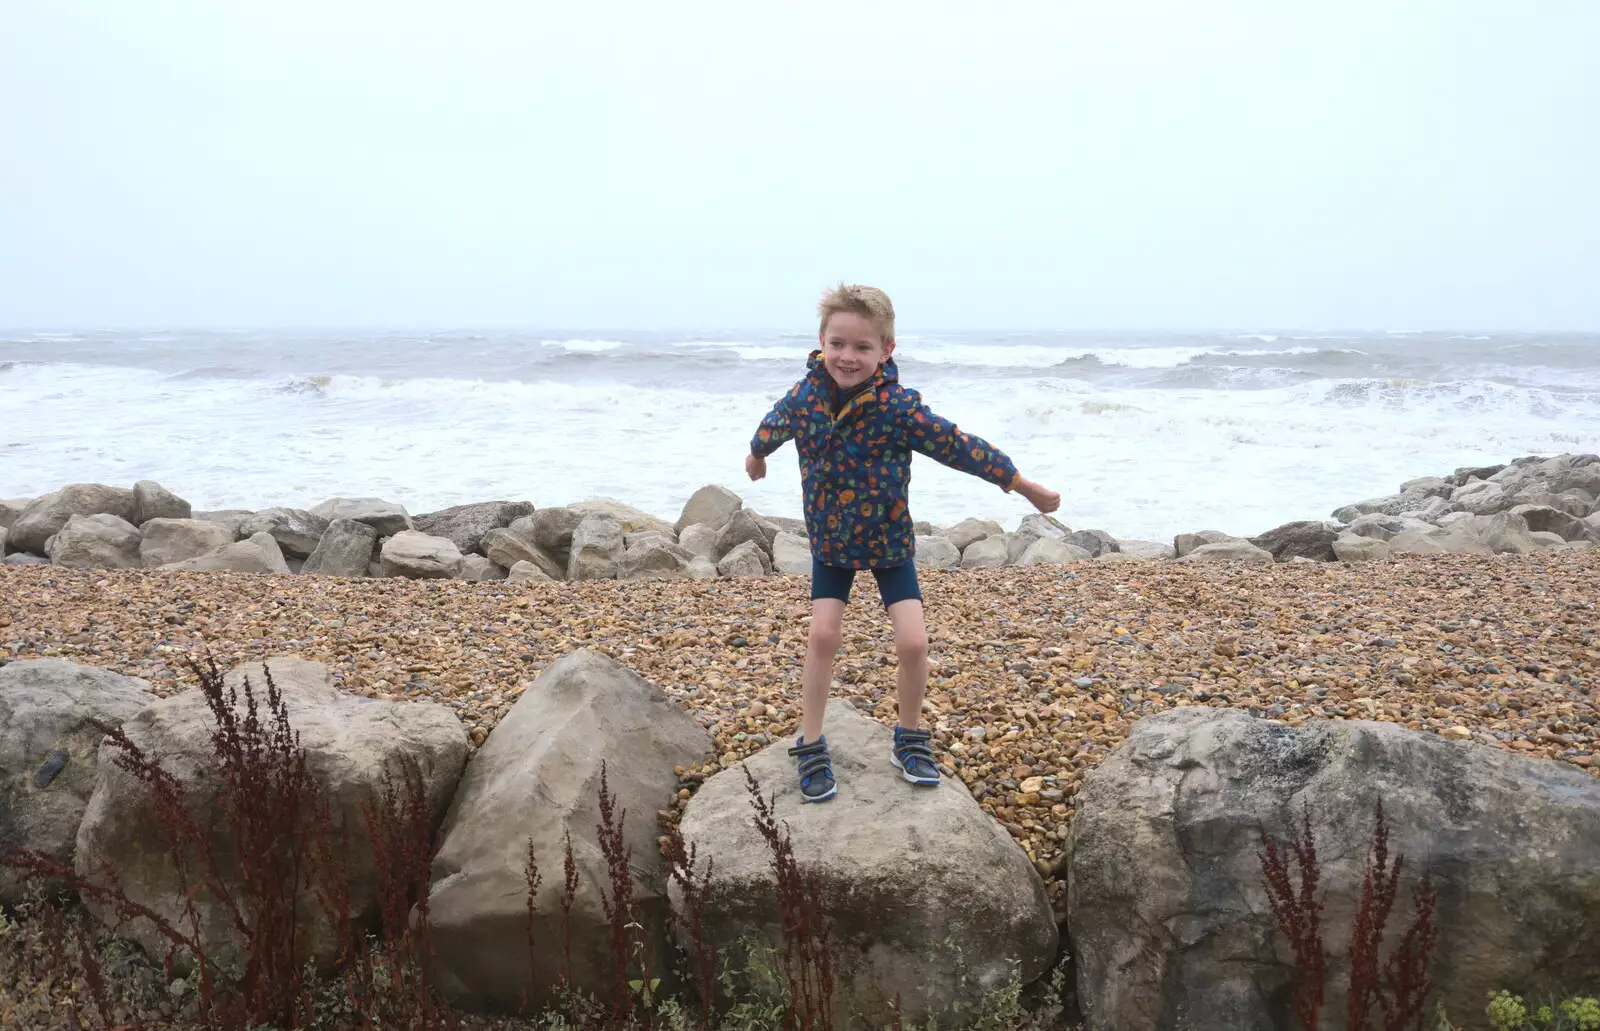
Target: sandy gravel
(1036,671)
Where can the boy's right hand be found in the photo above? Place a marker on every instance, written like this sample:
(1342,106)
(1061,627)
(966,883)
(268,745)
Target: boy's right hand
(1042,497)
(755,466)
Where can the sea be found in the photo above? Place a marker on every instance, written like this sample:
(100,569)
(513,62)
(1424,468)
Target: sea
(1144,434)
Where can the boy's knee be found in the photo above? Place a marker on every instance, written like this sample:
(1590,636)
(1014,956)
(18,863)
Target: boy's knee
(826,636)
(911,647)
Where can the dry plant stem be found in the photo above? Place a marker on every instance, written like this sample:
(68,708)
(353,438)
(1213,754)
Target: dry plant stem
(569,893)
(1392,995)
(531,878)
(681,862)
(1299,915)
(618,904)
(1406,970)
(1378,884)
(283,827)
(806,959)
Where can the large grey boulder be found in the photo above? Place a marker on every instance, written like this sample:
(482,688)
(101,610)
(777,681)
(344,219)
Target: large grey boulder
(96,542)
(4,533)
(791,554)
(1184,543)
(1377,526)
(1430,510)
(1430,486)
(785,524)
(711,505)
(742,527)
(746,560)
(699,540)
(346,549)
(10,510)
(533,782)
(296,531)
(969,531)
(1459,538)
(1229,551)
(929,898)
(1047,551)
(1489,501)
(1392,504)
(1307,538)
(988,553)
(478,569)
(507,546)
(597,549)
(1169,920)
(655,558)
(769,528)
(552,530)
(1505,534)
(1467,473)
(420,557)
(48,753)
(1017,545)
(1352,547)
(165,541)
(527,572)
(153,501)
(1575,503)
(1554,520)
(631,519)
(1472,488)
(258,553)
(643,537)
(44,517)
(386,517)
(233,518)
(1095,542)
(1584,477)
(936,553)
(22,558)
(1147,550)
(351,745)
(466,524)
(1039,526)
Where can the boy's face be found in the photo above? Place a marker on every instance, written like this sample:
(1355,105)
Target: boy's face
(852,349)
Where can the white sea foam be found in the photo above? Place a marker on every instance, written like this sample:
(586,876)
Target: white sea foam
(1144,441)
(585,346)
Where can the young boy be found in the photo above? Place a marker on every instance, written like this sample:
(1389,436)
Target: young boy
(855,427)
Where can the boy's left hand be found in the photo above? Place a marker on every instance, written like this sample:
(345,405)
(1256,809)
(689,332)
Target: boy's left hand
(1042,498)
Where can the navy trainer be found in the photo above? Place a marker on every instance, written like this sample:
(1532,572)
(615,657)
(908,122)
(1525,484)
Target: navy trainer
(914,758)
(816,770)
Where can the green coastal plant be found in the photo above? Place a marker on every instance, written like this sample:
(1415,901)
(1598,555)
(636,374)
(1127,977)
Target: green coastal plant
(1508,1012)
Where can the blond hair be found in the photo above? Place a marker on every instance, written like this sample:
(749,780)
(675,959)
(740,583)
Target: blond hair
(868,302)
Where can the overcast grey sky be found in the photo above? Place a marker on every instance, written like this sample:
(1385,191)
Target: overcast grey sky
(633,165)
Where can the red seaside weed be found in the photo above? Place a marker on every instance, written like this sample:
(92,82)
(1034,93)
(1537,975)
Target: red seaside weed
(1394,992)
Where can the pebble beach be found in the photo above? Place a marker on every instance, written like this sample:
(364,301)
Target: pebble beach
(1036,673)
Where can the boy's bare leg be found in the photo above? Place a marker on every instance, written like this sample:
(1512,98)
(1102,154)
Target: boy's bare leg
(911,648)
(827,629)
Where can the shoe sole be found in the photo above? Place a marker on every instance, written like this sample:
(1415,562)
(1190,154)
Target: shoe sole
(820,798)
(910,778)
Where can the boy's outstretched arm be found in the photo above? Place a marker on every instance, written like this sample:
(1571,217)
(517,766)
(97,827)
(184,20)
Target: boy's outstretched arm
(941,440)
(776,428)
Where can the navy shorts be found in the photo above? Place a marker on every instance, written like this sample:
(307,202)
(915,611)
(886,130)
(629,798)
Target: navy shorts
(895,584)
